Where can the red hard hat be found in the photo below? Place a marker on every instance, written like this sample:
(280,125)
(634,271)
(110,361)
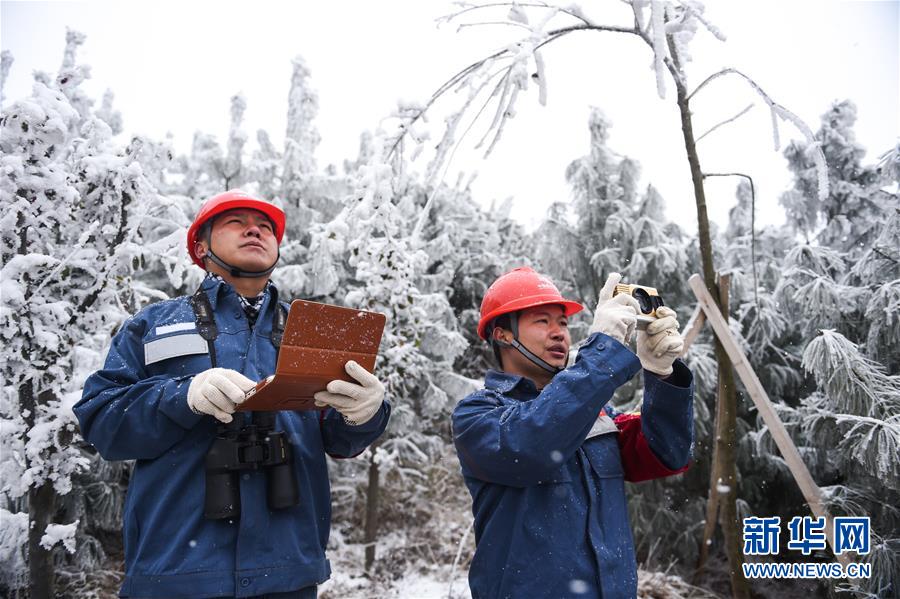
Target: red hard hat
(231,200)
(519,289)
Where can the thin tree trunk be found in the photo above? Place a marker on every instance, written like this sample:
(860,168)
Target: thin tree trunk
(41,503)
(372,496)
(726,441)
(728,514)
(712,505)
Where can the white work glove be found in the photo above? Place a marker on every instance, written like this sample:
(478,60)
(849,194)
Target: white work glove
(660,343)
(615,316)
(356,403)
(217,392)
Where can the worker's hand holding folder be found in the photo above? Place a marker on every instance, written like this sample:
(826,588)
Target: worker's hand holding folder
(318,341)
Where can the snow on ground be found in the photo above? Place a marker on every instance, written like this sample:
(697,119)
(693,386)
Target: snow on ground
(433,584)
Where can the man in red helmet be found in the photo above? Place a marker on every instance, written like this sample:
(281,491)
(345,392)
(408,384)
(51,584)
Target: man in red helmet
(222,503)
(543,455)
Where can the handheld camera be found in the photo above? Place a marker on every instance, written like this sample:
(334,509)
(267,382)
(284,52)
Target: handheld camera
(648,299)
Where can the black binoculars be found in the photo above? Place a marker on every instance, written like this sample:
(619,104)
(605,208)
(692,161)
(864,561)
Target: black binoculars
(238,448)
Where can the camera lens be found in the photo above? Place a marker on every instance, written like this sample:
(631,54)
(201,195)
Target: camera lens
(643,299)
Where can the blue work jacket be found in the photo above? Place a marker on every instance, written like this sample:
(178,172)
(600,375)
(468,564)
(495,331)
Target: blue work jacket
(550,512)
(136,408)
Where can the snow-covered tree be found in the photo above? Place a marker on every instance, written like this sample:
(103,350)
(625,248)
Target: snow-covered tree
(849,214)
(495,83)
(73,206)
(301,137)
(6,61)
(609,226)
(467,248)
(232,169)
(419,338)
(820,323)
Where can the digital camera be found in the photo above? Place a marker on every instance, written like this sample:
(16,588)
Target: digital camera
(648,299)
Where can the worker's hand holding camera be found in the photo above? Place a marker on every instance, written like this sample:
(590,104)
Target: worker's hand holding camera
(217,392)
(356,403)
(660,343)
(615,316)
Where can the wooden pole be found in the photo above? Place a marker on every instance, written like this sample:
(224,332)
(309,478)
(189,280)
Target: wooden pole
(808,487)
(724,418)
(724,485)
(693,328)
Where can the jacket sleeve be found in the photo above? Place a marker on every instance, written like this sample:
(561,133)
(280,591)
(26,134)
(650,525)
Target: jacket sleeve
(128,415)
(657,442)
(520,444)
(342,440)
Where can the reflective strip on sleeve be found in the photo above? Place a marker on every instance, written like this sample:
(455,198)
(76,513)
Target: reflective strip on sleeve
(172,328)
(174,346)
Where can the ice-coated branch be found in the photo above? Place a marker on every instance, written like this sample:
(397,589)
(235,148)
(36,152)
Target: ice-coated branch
(658,43)
(519,54)
(486,23)
(691,11)
(459,550)
(78,247)
(785,114)
(726,121)
(459,78)
(571,11)
(447,85)
(514,65)
(752,216)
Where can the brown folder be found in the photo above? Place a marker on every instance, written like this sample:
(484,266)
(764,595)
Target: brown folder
(318,341)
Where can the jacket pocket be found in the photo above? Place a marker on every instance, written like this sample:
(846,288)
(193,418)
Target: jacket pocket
(560,475)
(603,454)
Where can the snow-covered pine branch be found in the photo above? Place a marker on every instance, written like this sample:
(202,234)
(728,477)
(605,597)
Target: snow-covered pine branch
(853,383)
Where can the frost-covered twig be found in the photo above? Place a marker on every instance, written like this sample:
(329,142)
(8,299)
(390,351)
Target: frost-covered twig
(78,247)
(752,219)
(726,121)
(459,550)
(483,23)
(658,43)
(785,114)
(569,11)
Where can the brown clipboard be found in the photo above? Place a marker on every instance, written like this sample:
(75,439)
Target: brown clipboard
(318,341)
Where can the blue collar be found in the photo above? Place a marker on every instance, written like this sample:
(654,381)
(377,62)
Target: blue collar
(217,287)
(505,383)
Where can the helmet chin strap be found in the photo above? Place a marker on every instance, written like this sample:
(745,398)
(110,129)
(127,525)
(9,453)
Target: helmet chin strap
(514,323)
(237,272)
